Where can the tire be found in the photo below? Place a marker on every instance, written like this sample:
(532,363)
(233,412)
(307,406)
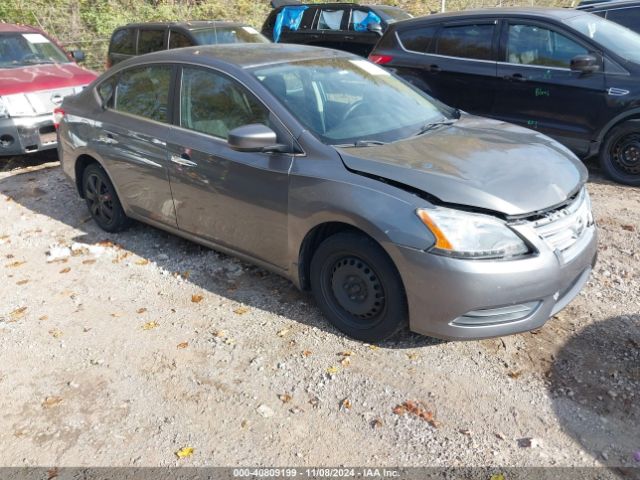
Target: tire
(358,288)
(102,200)
(620,154)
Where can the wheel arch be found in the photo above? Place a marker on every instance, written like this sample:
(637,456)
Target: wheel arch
(630,115)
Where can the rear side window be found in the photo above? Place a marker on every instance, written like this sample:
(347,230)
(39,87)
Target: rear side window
(627,17)
(123,41)
(533,45)
(307,19)
(150,41)
(179,40)
(144,91)
(330,19)
(106,91)
(466,41)
(419,39)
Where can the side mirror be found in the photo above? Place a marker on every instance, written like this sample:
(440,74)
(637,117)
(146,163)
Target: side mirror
(585,64)
(374,28)
(78,55)
(254,137)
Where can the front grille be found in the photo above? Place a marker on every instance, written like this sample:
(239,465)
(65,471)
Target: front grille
(561,229)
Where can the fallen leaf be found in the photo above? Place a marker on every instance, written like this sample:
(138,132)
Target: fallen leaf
(241,310)
(43,317)
(283,332)
(306,353)
(14,264)
(142,261)
(185,275)
(413,356)
(65,270)
(18,313)
(376,423)
(52,473)
(218,333)
(150,325)
(515,374)
(197,298)
(22,282)
(51,402)
(183,345)
(415,409)
(497,476)
(116,315)
(185,452)
(141,310)
(105,243)
(465,431)
(332,370)
(55,333)
(285,398)
(629,228)
(90,261)
(346,354)
(345,362)
(374,347)
(346,404)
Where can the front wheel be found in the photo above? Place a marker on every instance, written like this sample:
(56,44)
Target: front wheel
(620,154)
(102,200)
(358,288)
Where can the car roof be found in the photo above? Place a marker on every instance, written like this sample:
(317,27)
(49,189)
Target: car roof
(540,12)
(10,27)
(594,7)
(242,55)
(191,25)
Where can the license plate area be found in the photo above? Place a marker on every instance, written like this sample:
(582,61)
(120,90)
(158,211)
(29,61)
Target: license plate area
(48,135)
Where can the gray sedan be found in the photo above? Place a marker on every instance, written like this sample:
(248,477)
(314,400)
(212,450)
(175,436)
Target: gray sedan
(392,208)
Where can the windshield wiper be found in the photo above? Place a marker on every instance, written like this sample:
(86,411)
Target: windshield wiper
(361,143)
(427,127)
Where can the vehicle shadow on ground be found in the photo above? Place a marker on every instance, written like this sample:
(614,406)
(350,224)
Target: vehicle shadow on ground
(47,192)
(595,386)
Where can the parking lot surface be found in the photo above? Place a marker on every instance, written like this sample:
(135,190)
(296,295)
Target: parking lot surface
(126,349)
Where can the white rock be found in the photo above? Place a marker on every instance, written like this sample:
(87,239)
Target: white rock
(265,411)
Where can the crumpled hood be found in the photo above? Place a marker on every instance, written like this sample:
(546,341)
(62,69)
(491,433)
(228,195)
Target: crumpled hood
(479,163)
(43,77)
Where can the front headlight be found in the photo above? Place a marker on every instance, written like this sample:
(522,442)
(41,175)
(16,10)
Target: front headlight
(4,111)
(471,235)
(18,105)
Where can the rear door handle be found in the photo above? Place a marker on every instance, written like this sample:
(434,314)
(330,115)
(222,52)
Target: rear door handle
(434,69)
(183,160)
(516,77)
(314,37)
(349,37)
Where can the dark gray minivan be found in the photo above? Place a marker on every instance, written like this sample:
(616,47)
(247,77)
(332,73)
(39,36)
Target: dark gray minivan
(455,225)
(140,38)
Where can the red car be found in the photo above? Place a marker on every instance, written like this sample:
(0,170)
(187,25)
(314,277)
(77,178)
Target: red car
(35,75)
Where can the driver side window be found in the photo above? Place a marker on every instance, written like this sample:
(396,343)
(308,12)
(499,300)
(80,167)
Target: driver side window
(213,104)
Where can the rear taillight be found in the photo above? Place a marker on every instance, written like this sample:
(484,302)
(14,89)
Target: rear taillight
(58,116)
(380,59)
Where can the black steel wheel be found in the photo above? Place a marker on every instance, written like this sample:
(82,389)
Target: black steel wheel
(358,288)
(102,200)
(620,154)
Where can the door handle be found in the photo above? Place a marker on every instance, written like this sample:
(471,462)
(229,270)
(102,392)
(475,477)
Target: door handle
(349,37)
(434,69)
(314,37)
(183,161)
(516,77)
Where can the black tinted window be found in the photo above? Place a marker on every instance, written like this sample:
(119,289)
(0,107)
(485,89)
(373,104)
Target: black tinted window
(123,41)
(627,17)
(106,90)
(307,19)
(214,104)
(466,41)
(179,40)
(150,41)
(533,45)
(144,91)
(418,40)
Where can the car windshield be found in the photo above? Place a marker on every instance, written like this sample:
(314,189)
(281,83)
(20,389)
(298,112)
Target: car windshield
(226,34)
(615,37)
(391,14)
(23,49)
(350,100)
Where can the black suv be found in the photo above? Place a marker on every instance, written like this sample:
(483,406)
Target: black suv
(624,12)
(569,74)
(139,38)
(343,26)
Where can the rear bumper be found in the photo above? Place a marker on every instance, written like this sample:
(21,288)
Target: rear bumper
(464,299)
(20,135)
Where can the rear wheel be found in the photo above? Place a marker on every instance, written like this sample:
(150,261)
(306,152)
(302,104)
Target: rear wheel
(102,200)
(358,287)
(620,154)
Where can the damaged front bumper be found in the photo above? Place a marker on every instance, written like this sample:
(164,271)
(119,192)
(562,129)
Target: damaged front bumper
(20,135)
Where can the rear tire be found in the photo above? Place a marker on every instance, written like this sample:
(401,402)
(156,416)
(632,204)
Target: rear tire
(102,200)
(358,288)
(620,154)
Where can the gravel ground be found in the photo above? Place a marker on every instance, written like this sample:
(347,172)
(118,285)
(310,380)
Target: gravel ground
(121,350)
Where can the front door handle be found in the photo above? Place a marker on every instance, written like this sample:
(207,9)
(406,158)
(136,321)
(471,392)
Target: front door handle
(349,37)
(314,37)
(516,77)
(183,161)
(434,69)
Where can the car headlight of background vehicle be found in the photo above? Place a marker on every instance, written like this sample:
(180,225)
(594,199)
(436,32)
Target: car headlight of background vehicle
(4,110)
(16,105)
(471,235)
